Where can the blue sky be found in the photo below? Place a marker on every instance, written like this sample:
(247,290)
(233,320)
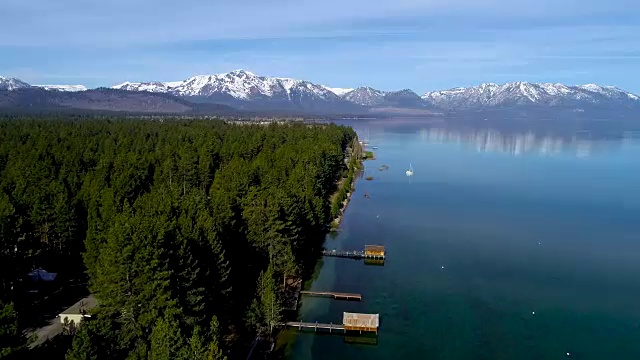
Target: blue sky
(422,45)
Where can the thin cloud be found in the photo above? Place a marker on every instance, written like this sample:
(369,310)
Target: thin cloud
(134,22)
(406,43)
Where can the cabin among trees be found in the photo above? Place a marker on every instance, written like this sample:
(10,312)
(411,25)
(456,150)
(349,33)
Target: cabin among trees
(72,317)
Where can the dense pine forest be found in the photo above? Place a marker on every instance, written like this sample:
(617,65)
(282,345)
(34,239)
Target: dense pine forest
(183,230)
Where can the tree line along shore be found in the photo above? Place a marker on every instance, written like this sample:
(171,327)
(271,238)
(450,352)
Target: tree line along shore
(182,229)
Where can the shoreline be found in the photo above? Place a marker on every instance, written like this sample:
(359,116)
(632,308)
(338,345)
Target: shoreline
(355,166)
(335,223)
(346,185)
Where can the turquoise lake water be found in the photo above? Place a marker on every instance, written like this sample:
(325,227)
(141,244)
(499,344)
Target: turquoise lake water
(490,229)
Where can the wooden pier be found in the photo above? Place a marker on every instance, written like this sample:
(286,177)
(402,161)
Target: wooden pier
(300,325)
(335,295)
(344,254)
(351,322)
(374,252)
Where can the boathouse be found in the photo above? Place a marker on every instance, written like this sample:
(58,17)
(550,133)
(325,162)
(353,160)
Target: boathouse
(361,322)
(374,251)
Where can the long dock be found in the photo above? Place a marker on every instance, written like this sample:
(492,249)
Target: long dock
(351,322)
(315,326)
(335,295)
(352,254)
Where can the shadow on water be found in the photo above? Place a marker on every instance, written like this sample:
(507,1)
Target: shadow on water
(287,338)
(353,337)
(364,339)
(373,262)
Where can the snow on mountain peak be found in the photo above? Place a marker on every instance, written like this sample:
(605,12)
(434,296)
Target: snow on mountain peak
(238,84)
(243,85)
(124,84)
(525,93)
(338,91)
(590,87)
(608,91)
(70,88)
(11,84)
(8,83)
(240,72)
(366,96)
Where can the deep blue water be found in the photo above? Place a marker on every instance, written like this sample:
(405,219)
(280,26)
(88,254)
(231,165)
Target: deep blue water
(491,228)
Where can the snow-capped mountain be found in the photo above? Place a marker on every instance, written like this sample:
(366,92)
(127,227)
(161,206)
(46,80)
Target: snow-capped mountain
(365,96)
(12,84)
(523,93)
(158,87)
(246,90)
(243,90)
(242,86)
(70,88)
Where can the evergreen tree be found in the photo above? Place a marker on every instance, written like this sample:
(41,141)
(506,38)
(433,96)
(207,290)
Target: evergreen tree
(269,304)
(175,223)
(167,342)
(11,339)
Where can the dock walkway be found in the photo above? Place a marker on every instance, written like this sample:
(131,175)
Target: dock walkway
(351,323)
(352,254)
(335,295)
(300,325)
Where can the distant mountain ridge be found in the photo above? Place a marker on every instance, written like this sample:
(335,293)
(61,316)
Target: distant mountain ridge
(247,91)
(238,84)
(70,88)
(36,99)
(245,87)
(523,93)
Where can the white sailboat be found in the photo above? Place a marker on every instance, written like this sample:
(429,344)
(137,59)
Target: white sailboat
(410,171)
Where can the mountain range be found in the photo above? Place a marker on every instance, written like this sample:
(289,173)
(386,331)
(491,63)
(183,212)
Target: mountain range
(523,93)
(246,91)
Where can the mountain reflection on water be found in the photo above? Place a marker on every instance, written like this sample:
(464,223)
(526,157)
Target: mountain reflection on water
(491,140)
(490,256)
(502,139)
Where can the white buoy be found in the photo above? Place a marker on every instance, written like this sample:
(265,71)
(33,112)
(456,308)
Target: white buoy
(568,354)
(533,313)
(442,267)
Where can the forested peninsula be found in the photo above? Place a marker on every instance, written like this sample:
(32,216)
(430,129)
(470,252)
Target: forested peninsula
(182,229)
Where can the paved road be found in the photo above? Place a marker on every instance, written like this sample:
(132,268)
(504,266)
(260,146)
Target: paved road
(54,326)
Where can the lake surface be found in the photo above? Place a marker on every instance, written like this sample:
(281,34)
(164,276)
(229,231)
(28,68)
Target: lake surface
(491,228)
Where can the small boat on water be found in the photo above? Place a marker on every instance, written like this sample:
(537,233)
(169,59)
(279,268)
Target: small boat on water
(410,171)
